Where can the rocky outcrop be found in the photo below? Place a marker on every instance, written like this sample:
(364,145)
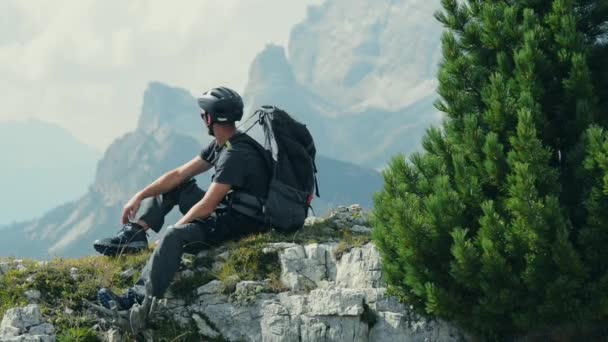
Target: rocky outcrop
(25,325)
(330,292)
(328,299)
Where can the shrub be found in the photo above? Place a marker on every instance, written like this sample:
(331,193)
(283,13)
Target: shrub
(500,223)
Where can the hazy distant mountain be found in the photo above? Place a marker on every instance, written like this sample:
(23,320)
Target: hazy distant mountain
(133,161)
(360,74)
(43,165)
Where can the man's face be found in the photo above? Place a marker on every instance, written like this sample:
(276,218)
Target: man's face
(207,119)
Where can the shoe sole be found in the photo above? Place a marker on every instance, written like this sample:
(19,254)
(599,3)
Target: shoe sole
(113,250)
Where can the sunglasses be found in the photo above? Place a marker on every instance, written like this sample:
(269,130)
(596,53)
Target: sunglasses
(206,117)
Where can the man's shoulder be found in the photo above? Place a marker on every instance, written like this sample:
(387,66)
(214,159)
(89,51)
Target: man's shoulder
(244,142)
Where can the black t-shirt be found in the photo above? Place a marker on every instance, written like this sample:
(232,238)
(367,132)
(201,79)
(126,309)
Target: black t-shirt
(238,164)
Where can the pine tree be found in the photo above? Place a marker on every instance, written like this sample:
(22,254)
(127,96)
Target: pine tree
(501,223)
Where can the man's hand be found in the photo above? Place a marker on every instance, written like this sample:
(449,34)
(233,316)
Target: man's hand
(130,209)
(163,184)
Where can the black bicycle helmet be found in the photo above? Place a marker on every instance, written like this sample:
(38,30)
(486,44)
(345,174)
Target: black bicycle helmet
(222,104)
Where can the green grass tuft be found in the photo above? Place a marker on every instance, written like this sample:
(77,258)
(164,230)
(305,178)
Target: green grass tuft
(80,334)
(348,241)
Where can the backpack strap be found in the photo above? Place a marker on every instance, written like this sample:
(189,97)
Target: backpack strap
(244,202)
(247,204)
(314,164)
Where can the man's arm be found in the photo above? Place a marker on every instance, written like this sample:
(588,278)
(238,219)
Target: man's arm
(175,177)
(164,184)
(206,206)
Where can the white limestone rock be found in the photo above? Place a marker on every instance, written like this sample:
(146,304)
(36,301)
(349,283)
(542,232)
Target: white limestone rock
(360,268)
(391,304)
(8,331)
(203,328)
(22,318)
(277,325)
(236,322)
(74,273)
(212,287)
(303,267)
(33,296)
(247,291)
(313,220)
(296,304)
(277,246)
(25,324)
(332,328)
(360,229)
(249,286)
(212,299)
(340,302)
(355,208)
(42,329)
(346,292)
(406,326)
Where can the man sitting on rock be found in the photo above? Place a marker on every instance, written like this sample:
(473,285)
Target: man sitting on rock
(208,217)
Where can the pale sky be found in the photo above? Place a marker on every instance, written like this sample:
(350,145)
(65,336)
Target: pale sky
(84,64)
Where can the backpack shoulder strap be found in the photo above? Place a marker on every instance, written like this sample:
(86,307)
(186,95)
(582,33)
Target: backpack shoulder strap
(262,152)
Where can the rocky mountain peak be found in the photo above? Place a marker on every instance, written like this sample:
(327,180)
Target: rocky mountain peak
(368,54)
(271,66)
(172,107)
(169,133)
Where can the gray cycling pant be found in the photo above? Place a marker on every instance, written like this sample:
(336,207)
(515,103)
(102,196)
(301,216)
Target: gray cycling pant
(164,262)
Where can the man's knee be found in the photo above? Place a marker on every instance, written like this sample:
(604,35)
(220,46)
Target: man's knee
(173,234)
(183,232)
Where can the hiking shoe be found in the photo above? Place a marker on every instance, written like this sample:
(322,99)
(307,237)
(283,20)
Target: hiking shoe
(124,302)
(131,238)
